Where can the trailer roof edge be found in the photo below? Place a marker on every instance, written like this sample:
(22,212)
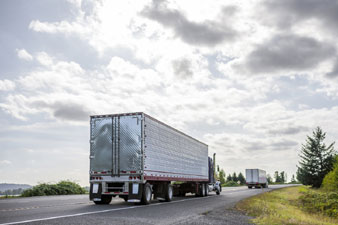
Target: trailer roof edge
(142,113)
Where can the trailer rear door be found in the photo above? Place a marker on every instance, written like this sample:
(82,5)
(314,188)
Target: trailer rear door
(101,144)
(116,144)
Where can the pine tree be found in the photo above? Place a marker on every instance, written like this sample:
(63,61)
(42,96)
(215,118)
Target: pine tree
(222,176)
(241,178)
(278,178)
(229,178)
(282,177)
(316,159)
(234,177)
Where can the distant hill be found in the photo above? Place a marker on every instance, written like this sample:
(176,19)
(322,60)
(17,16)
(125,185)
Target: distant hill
(5,186)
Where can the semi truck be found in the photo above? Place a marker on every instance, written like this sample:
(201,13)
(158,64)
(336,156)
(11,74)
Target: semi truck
(139,158)
(256,178)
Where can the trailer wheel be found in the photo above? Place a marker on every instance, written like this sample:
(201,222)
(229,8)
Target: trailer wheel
(200,191)
(203,190)
(146,194)
(168,193)
(206,186)
(124,197)
(105,200)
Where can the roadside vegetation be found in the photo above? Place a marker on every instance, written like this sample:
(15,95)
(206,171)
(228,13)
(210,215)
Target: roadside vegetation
(316,203)
(60,188)
(292,205)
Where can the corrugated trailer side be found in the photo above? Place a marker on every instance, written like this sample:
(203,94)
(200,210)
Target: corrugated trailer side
(170,155)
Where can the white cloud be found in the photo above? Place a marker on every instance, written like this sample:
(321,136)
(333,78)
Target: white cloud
(6,85)
(23,54)
(5,162)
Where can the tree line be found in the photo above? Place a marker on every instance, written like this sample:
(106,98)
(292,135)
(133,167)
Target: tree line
(12,192)
(279,177)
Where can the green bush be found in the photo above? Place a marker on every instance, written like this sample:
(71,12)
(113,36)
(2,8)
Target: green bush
(330,182)
(61,188)
(318,201)
(230,184)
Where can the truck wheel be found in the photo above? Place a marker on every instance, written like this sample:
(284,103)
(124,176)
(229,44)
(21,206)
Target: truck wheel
(124,197)
(169,193)
(146,194)
(202,190)
(206,186)
(199,191)
(105,200)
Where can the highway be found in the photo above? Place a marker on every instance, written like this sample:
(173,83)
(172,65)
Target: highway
(77,209)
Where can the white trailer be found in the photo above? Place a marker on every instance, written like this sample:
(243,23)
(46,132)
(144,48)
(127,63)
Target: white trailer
(133,156)
(256,178)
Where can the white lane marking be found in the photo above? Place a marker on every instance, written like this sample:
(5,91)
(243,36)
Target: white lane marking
(102,211)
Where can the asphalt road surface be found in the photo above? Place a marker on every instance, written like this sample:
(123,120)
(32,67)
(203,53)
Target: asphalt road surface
(77,209)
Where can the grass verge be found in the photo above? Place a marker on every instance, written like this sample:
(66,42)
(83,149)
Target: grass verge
(283,206)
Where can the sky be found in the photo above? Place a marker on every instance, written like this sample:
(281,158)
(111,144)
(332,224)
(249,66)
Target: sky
(249,78)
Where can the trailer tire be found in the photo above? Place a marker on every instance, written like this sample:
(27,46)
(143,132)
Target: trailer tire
(146,194)
(202,190)
(124,197)
(206,186)
(168,193)
(105,200)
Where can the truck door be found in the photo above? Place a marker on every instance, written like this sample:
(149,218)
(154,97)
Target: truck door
(130,152)
(101,144)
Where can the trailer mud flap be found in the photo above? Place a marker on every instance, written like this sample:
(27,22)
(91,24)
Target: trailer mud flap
(135,192)
(95,191)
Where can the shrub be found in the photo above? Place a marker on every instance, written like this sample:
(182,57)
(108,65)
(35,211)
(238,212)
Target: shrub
(319,201)
(230,184)
(330,182)
(61,188)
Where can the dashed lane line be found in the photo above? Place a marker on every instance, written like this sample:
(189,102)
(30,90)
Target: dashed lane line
(43,206)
